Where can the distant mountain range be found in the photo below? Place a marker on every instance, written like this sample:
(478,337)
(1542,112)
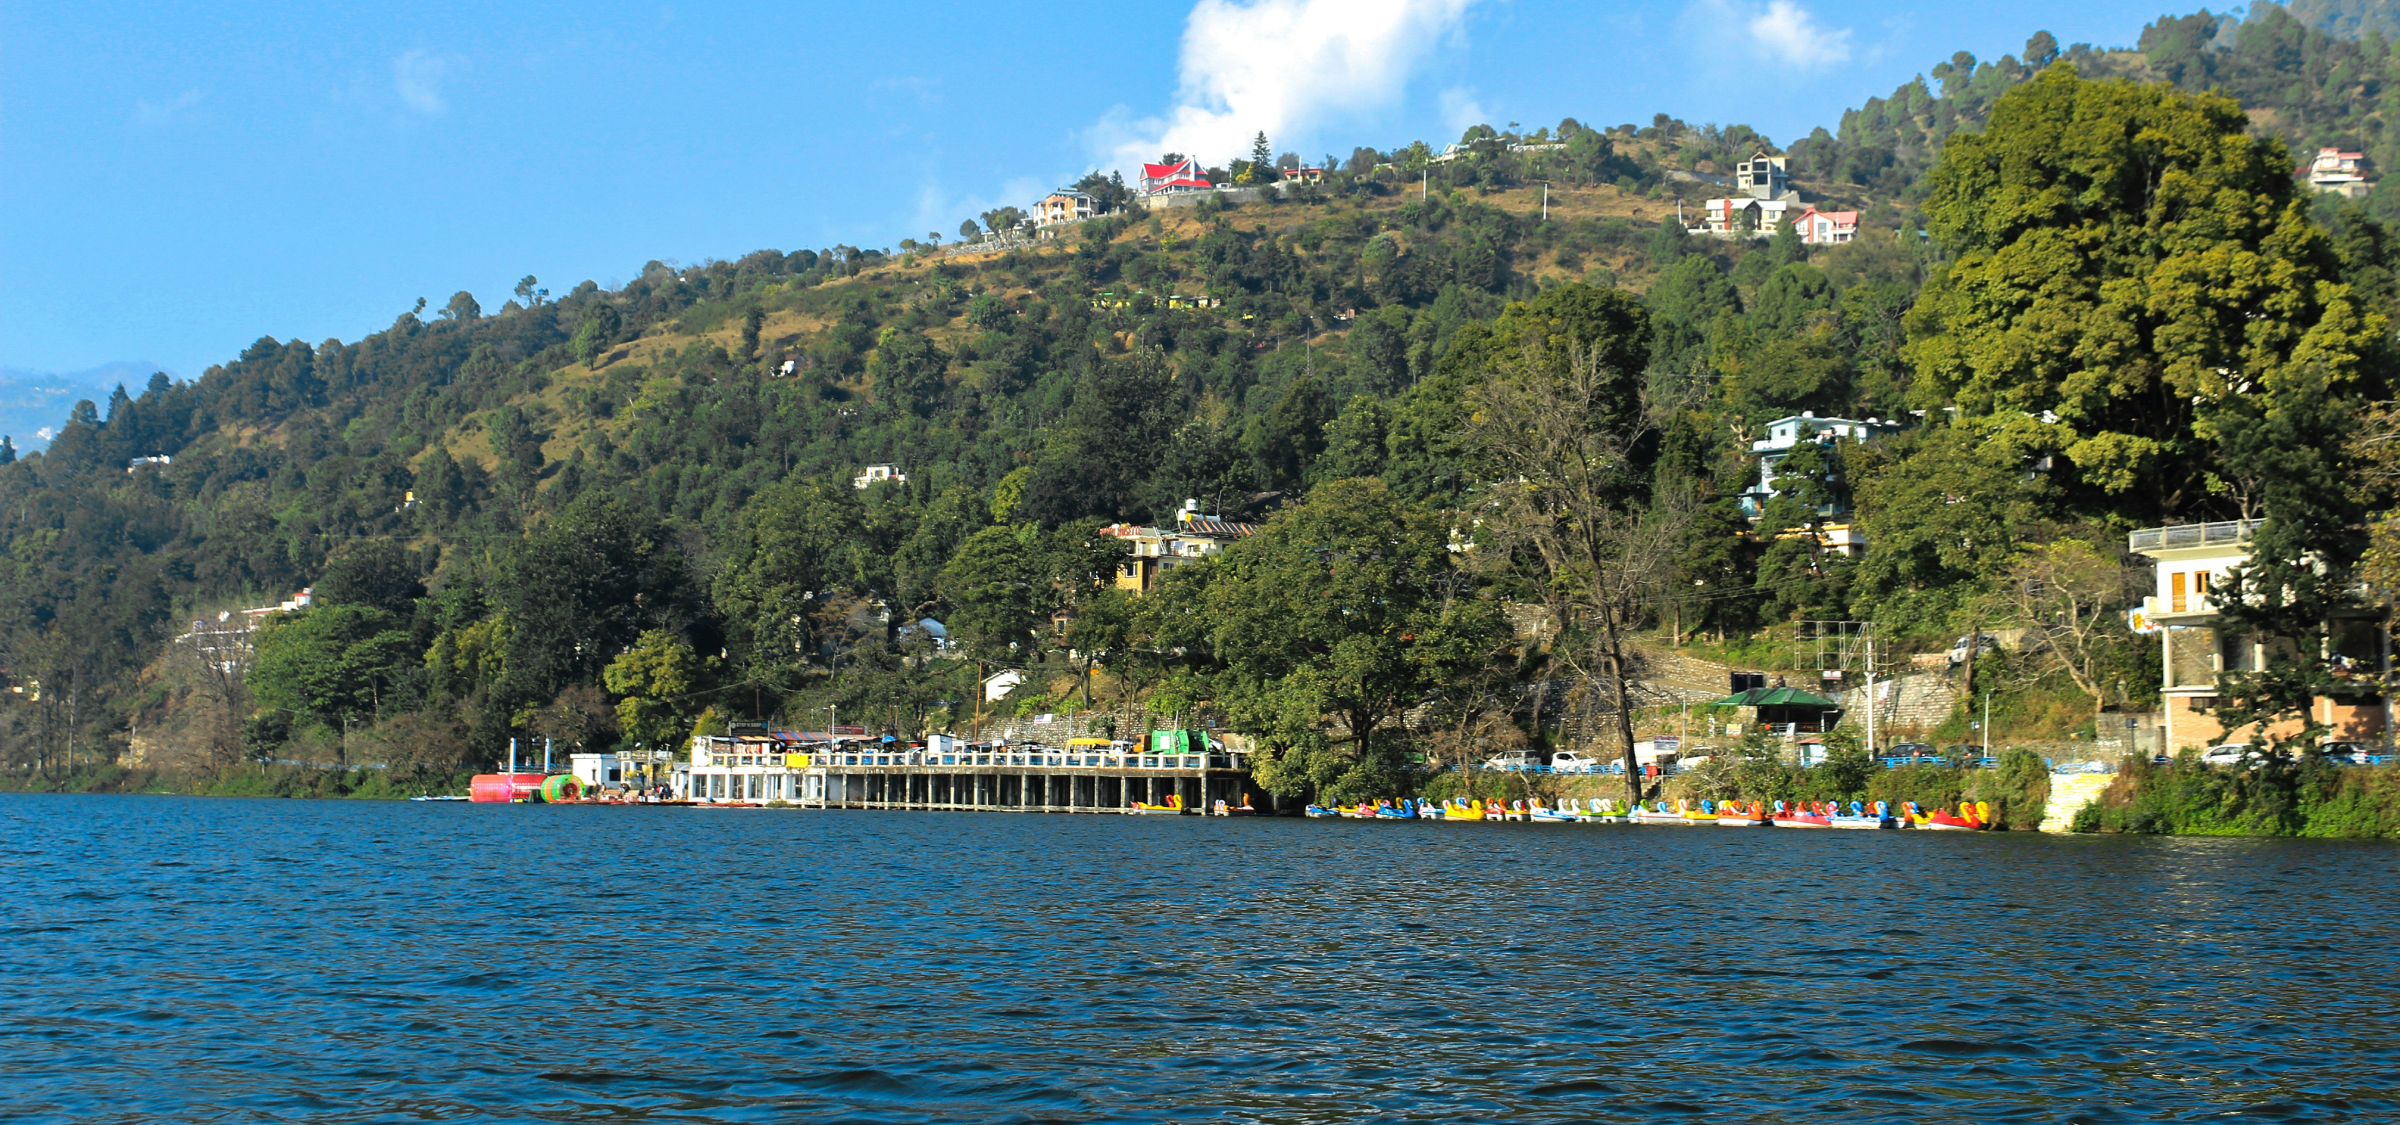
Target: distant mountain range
(34,404)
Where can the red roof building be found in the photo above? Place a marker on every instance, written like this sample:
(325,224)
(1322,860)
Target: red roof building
(1824,228)
(1161,179)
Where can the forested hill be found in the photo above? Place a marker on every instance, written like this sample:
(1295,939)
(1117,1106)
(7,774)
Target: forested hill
(613,514)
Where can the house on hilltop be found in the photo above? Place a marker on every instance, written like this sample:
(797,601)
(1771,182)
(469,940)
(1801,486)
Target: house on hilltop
(2335,172)
(1066,205)
(1765,200)
(1155,550)
(1826,228)
(1169,179)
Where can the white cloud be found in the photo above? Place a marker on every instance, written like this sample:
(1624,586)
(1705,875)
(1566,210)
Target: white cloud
(1461,111)
(1779,31)
(417,78)
(151,114)
(1282,67)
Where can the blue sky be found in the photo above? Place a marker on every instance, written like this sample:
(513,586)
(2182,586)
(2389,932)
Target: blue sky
(177,179)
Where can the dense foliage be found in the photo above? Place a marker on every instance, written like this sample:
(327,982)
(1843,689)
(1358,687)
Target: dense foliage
(618,515)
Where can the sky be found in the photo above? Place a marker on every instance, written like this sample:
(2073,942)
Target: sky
(180,179)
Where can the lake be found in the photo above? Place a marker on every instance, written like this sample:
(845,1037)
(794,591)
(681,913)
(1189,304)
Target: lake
(180,959)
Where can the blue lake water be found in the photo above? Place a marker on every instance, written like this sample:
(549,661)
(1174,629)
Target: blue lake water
(170,959)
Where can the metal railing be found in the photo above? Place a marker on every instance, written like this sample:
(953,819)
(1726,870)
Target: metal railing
(1025,759)
(2193,535)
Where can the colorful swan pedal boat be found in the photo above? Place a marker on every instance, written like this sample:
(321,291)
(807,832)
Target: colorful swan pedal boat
(1456,809)
(1514,810)
(1243,809)
(1862,816)
(1359,811)
(1601,811)
(1172,807)
(1740,814)
(1563,814)
(1681,813)
(1387,810)
(1972,816)
(1801,815)
(1428,810)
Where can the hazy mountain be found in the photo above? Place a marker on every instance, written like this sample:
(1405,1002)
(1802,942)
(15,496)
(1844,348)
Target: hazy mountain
(34,404)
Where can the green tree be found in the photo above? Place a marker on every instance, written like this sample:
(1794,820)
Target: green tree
(1337,616)
(796,548)
(2131,262)
(333,663)
(377,573)
(658,681)
(990,584)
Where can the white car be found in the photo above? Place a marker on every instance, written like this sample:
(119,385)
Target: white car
(1513,760)
(1574,761)
(2226,754)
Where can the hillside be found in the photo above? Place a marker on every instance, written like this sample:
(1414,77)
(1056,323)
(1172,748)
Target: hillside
(614,514)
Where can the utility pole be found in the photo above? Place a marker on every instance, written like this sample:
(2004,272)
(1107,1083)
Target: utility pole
(1545,201)
(1987,722)
(1870,692)
(1425,185)
(545,756)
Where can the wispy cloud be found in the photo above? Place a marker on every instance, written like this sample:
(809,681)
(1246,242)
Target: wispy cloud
(1282,67)
(417,78)
(151,115)
(1778,31)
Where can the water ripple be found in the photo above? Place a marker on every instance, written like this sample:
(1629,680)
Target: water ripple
(189,960)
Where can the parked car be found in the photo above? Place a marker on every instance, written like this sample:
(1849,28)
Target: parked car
(1574,761)
(1913,752)
(2226,754)
(1971,646)
(1513,760)
(2344,753)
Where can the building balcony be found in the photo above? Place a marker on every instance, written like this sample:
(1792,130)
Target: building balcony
(2184,536)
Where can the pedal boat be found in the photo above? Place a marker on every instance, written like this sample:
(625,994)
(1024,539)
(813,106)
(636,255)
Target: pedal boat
(1860,818)
(1735,814)
(1795,816)
(1172,807)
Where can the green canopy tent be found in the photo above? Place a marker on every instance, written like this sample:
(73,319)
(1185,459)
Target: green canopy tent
(1779,706)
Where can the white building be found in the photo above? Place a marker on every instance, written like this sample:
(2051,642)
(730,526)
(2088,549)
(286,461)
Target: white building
(628,769)
(2191,563)
(2335,172)
(749,769)
(1784,434)
(878,474)
(1764,201)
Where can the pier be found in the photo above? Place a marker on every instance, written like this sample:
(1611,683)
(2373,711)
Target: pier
(1085,776)
(1031,779)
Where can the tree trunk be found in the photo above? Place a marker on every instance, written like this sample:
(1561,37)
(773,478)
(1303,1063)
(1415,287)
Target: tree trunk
(1616,673)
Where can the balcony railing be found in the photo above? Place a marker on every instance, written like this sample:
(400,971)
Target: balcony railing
(2193,535)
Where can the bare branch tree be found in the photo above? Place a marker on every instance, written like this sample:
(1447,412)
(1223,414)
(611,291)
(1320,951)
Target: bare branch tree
(1564,508)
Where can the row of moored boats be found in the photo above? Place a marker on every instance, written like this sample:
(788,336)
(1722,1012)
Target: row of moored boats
(1971,816)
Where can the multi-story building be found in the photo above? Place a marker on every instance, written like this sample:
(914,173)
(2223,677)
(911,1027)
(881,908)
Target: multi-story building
(2335,172)
(2191,563)
(1825,228)
(1765,199)
(1787,434)
(1168,179)
(1155,550)
(1066,205)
